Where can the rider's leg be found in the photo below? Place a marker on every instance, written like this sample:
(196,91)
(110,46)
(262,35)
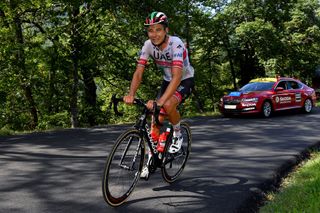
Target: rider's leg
(174,117)
(155,129)
(171,109)
(155,132)
(183,91)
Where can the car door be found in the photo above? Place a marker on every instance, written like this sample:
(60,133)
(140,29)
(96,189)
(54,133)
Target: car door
(296,89)
(284,97)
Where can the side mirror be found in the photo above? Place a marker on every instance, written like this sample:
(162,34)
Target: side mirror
(279,89)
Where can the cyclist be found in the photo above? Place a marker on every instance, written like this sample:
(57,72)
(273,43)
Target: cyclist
(171,56)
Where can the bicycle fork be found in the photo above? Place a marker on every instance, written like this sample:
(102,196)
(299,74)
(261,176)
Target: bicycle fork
(131,167)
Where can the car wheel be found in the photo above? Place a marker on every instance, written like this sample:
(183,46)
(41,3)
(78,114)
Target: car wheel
(266,109)
(307,106)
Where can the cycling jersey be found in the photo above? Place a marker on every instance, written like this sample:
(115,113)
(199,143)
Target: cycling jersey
(174,55)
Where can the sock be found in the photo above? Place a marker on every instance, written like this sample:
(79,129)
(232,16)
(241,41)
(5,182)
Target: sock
(176,130)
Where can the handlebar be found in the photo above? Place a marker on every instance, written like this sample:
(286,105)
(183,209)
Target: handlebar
(155,111)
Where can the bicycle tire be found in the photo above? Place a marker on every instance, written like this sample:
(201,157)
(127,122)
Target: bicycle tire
(175,163)
(123,167)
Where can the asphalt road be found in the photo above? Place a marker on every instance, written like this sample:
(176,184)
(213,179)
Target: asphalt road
(232,161)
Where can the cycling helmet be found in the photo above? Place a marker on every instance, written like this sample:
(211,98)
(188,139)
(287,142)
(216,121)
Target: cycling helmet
(156,18)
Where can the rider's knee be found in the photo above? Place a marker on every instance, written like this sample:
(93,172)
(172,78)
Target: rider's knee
(167,107)
(170,106)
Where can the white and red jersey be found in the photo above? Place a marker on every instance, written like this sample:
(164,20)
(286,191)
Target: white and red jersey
(174,55)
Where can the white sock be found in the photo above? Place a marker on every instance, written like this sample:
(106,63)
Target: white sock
(176,130)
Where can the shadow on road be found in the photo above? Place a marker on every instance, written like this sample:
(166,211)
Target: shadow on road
(231,163)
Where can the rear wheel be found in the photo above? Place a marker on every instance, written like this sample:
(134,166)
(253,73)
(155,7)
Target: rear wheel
(175,163)
(307,106)
(266,109)
(123,167)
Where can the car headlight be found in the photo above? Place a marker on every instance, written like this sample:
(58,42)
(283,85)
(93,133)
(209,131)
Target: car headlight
(250,99)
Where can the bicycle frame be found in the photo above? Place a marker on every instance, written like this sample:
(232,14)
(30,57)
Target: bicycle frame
(144,129)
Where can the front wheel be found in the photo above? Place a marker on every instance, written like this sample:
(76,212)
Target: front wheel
(123,167)
(266,109)
(174,163)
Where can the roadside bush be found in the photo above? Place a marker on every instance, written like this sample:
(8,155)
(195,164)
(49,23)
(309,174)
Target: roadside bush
(18,121)
(58,120)
(6,131)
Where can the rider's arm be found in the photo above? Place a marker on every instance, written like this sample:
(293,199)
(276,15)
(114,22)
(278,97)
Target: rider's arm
(135,83)
(173,85)
(137,76)
(136,80)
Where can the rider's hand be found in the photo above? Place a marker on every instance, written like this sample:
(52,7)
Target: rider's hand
(128,99)
(150,104)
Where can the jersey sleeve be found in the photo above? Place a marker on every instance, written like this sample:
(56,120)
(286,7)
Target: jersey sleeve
(178,49)
(143,55)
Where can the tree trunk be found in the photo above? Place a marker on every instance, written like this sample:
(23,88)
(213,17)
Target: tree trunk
(230,59)
(199,103)
(20,57)
(90,96)
(52,107)
(249,66)
(188,30)
(75,65)
(233,73)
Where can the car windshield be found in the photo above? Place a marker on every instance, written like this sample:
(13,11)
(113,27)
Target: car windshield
(257,86)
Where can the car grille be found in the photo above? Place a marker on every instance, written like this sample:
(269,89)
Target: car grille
(233,102)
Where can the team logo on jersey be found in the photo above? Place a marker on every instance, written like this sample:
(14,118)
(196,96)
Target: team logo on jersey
(177,55)
(158,56)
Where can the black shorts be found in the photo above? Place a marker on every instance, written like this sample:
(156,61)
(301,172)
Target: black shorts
(183,91)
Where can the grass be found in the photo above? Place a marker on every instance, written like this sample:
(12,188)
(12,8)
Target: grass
(300,191)
(6,131)
(201,114)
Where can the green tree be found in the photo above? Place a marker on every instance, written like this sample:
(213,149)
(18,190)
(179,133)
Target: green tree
(15,18)
(60,61)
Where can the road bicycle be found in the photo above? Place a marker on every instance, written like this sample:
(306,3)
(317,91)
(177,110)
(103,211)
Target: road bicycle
(135,149)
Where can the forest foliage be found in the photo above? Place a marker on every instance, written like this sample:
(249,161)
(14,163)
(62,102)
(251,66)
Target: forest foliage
(61,61)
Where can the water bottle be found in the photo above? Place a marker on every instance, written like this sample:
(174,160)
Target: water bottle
(162,140)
